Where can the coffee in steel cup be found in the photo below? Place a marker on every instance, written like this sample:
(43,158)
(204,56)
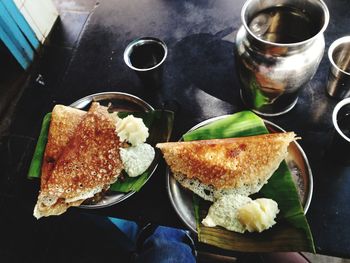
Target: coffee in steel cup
(146,56)
(338,85)
(339,148)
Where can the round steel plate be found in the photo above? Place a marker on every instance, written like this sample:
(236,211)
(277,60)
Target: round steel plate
(117,101)
(182,199)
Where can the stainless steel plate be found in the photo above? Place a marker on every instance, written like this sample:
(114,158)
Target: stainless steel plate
(182,199)
(116,101)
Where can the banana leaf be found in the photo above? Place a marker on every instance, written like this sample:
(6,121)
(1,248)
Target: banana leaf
(159,123)
(291,232)
(35,165)
(244,123)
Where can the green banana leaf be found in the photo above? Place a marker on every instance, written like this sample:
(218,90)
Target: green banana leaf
(159,123)
(35,165)
(291,233)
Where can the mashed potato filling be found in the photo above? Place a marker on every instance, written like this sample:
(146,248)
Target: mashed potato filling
(258,215)
(132,130)
(240,213)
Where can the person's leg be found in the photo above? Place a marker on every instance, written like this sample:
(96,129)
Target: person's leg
(129,228)
(120,231)
(154,244)
(167,245)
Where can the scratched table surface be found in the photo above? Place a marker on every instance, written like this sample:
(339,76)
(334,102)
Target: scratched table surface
(85,56)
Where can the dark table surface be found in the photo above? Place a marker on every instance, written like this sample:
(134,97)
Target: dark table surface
(85,56)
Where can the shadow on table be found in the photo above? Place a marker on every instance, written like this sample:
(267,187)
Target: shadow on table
(203,79)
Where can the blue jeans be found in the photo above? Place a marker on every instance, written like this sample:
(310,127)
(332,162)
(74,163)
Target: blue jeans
(165,244)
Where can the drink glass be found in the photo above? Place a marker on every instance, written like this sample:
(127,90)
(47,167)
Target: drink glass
(338,85)
(146,56)
(339,149)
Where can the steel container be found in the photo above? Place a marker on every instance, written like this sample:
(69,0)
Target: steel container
(272,73)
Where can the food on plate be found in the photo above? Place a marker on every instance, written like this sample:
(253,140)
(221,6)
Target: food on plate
(137,159)
(258,215)
(62,127)
(240,213)
(223,212)
(137,155)
(226,172)
(87,163)
(212,168)
(82,158)
(132,130)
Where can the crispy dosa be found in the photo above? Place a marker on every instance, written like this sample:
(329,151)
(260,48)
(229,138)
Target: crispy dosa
(212,168)
(64,121)
(81,158)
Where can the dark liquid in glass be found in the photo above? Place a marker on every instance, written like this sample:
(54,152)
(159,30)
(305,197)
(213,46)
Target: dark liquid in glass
(283,25)
(339,149)
(146,55)
(344,125)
